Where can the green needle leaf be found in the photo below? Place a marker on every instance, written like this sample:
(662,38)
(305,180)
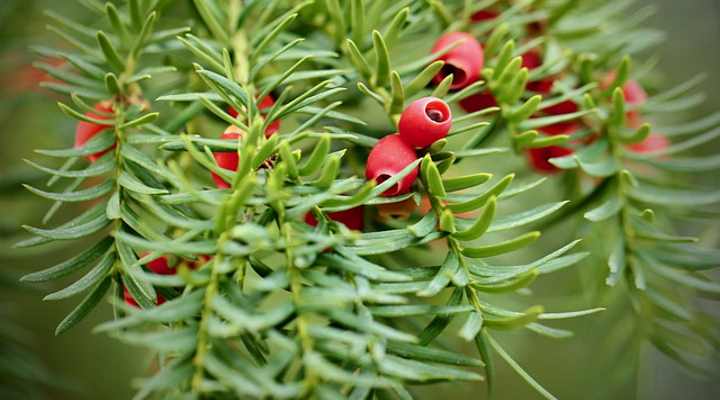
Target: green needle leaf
(502,247)
(84,308)
(111,55)
(423,78)
(515,366)
(481,225)
(211,21)
(382,64)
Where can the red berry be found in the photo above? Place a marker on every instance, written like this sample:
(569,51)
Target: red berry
(265,105)
(424,122)
(478,101)
(484,15)
(542,86)
(353,218)
(130,300)
(654,142)
(464,62)
(532,60)
(566,107)
(390,156)
(539,158)
(85,131)
(160,266)
(561,128)
(227,159)
(201,260)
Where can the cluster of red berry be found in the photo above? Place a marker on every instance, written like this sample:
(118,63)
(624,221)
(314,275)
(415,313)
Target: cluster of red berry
(422,123)
(428,119)
(532,59)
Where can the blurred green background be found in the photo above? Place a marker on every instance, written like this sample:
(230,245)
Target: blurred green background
(99,367)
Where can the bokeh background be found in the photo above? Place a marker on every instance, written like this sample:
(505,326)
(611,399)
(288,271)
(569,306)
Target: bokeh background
(82,365)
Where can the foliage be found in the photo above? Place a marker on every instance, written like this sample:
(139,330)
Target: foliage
(281,309)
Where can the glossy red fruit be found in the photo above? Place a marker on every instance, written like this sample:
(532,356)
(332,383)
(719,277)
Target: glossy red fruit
(227,159)
(160,266)
(424,122)
(539,158)
(532,60)
(390,156)
(464,62)
(353,218)
(484,15)
(478,101)
(130,300)
(561,128)
(654,142)
(85,131)
(542,86)
(265,105)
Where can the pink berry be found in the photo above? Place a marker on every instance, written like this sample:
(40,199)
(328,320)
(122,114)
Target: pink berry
(634,93)
(84,131)
(424,122)
(635,96)
(390,156)
(654,142)
(464,61)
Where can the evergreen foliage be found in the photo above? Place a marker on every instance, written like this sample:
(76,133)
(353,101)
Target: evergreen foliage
(265,305)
